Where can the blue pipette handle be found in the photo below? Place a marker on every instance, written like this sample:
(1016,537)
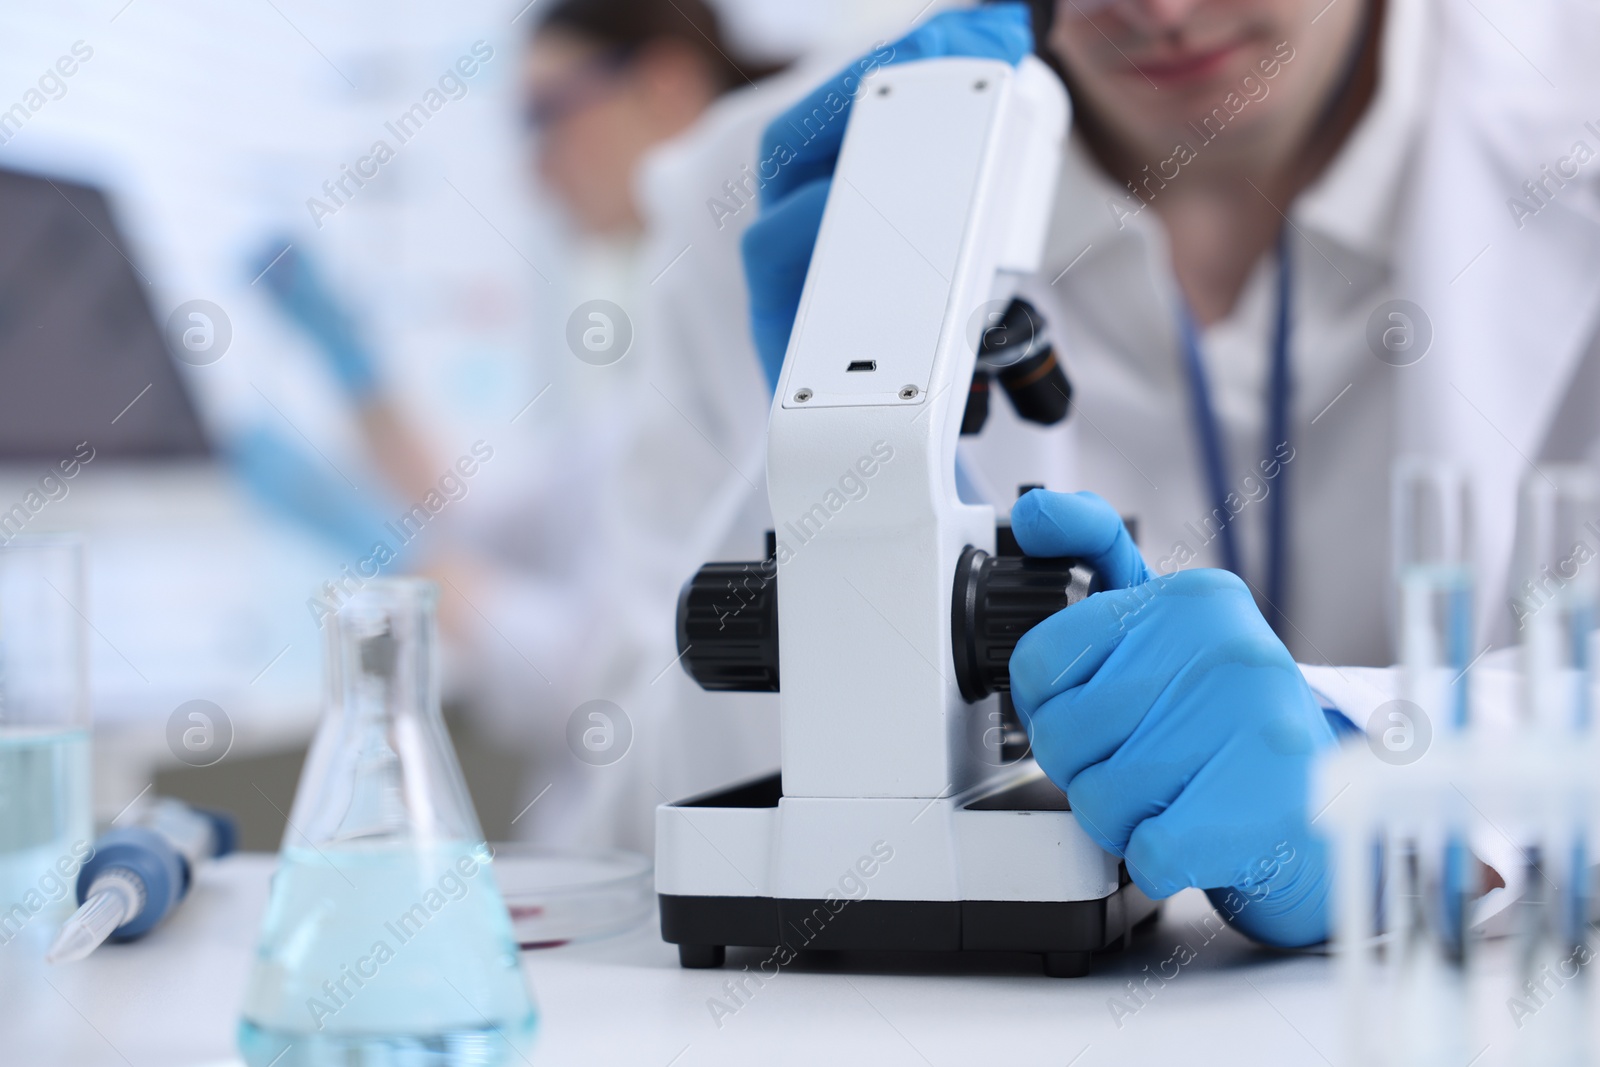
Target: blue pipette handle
(158,863)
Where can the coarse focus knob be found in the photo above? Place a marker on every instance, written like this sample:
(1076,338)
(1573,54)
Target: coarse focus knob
(997,599)
(728,627)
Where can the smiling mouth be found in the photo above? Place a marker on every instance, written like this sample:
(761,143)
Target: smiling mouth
(1185,66)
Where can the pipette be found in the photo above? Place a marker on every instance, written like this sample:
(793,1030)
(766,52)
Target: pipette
(138,874)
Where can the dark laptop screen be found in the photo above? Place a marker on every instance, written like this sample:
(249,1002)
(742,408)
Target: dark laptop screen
(78,341)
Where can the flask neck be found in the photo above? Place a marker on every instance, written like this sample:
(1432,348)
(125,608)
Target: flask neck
(382,767)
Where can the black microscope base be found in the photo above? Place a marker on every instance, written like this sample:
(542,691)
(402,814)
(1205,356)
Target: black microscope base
(1064,933)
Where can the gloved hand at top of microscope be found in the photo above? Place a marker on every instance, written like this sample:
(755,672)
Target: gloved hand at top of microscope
(777,246)
(1178,724)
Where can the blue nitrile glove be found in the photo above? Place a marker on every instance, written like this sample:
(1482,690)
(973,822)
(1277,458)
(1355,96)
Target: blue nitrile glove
(1178,724)
(297,485)
(803,143)
(301,292)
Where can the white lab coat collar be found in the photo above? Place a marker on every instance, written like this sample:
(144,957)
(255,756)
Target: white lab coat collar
(1356,200)
(1090,209)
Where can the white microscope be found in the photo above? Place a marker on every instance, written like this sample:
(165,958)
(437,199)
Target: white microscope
(897,822)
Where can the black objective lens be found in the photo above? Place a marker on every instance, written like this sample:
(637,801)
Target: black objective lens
(1018,352)
(977,412)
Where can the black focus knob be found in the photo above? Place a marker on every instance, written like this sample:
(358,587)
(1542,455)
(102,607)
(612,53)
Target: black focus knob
(997,600)
(728,627)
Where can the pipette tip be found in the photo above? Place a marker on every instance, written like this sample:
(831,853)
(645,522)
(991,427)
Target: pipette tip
(115,897)
(74,942)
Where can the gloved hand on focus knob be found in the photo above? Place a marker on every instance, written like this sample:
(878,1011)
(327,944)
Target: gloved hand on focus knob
(1178,724)
(803,145)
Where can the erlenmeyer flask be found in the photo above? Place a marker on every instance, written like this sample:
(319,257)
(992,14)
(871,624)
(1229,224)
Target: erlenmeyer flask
(386,941)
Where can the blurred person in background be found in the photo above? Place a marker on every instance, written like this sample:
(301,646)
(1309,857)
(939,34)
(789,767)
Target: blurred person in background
(605,83)
(564,593)
(615,93)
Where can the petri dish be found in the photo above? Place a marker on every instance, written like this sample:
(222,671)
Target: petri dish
(557,896)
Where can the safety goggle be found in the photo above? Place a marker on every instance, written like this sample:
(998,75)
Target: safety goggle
(581,87)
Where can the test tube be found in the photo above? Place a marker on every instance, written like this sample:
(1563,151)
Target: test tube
(1556,583)
(1553,601)
(1433,563)
(1428,878)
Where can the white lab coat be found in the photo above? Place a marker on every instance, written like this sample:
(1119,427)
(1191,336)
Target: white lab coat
(1512,378)
(1514,375)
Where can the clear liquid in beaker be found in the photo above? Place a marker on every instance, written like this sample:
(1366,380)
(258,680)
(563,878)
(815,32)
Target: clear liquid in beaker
(45,829)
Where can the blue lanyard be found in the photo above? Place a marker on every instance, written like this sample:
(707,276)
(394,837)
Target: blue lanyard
(1214,453)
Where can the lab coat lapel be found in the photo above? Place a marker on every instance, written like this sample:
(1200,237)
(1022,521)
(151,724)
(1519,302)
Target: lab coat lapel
(1512,307)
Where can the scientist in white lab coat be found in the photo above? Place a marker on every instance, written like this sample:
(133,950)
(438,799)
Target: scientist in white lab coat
(1293,241)
(569,645)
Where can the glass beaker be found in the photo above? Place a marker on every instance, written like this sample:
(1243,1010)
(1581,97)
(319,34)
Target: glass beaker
(386,940)
(46,826)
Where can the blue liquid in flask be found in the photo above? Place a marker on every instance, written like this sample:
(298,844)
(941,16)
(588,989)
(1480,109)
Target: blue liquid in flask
(389,954)
(386,942)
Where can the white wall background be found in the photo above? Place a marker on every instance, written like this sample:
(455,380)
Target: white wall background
(209,123)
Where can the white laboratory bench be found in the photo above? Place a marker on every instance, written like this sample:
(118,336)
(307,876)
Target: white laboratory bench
(172,1000)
